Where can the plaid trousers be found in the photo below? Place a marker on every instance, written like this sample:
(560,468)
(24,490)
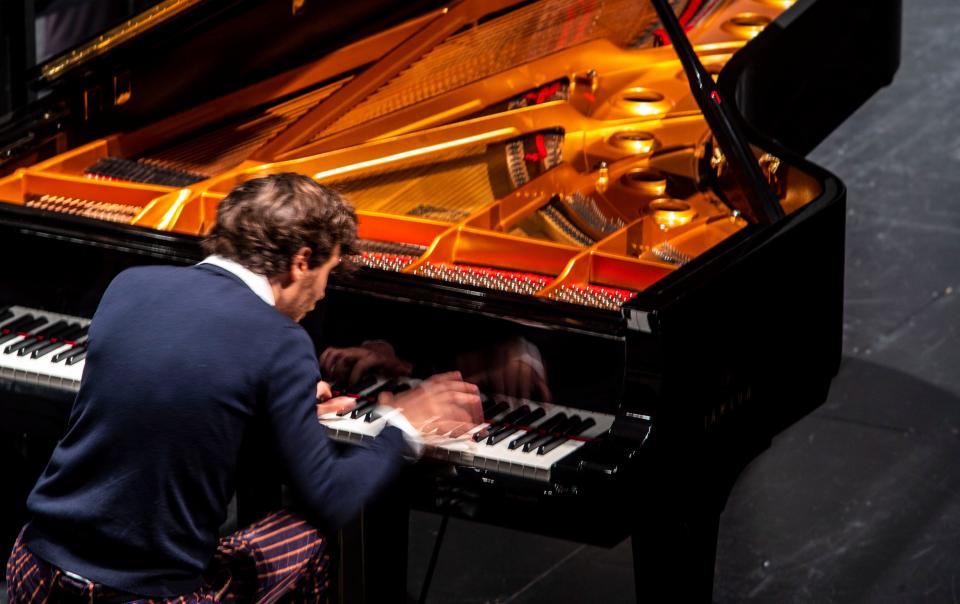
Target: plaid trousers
(281,557)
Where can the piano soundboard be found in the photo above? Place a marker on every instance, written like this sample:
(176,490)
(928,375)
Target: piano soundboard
(42,348)
(517,438)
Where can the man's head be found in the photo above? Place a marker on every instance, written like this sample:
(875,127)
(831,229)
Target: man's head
(288,228)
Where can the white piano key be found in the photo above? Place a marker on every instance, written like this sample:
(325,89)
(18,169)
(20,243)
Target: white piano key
(465,451)
(42,371)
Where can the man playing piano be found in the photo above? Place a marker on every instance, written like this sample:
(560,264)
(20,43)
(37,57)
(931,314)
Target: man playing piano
(183,363)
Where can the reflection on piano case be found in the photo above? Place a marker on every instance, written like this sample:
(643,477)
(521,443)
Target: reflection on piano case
(523,171)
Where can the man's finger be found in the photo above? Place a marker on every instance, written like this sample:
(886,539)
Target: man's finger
(461,429)
(329,358)
(454,386)
(335,405)
(459,409)
(542,388)
(526,381)
(471,405)
(452,429)
(323,391)
(444,377)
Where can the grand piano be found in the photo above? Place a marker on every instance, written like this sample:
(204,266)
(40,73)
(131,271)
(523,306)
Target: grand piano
(541,191)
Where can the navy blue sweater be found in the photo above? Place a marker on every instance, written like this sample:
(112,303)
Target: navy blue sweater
(181,362)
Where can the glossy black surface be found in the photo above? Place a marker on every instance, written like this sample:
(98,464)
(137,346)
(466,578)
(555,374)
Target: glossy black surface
(857,502)
(813,67)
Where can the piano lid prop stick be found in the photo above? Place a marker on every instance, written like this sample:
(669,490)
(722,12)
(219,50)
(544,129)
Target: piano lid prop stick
(724,121)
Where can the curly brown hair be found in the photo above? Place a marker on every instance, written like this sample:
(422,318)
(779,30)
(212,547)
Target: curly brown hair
(263,222)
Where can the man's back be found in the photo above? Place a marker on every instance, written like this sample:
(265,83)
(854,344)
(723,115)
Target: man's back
(179,361)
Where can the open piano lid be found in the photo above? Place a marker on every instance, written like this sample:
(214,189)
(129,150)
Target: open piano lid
(600,144)
(182,52)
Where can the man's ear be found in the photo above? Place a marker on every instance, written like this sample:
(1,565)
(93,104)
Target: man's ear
(300,263)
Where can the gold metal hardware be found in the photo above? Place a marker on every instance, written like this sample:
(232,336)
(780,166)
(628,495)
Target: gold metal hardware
(645,102)
(634,141)
(121,88)
(669,213)
(746,25)
(603,177)
(770,164)
(718,162)
(648,182)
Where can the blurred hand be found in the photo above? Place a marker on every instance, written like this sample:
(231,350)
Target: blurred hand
(443,403)
(350,364)
(334,405)
(328,404)
(514,368)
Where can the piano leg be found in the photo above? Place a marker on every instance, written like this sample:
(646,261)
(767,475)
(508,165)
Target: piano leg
(675,541)
(674,556)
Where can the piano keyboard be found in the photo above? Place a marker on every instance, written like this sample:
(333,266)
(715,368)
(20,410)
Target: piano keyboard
(43,348)
(540,434)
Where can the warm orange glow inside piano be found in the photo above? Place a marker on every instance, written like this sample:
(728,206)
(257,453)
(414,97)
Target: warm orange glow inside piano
(551,148)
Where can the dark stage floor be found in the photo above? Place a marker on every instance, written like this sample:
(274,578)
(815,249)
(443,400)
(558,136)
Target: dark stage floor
(860,501)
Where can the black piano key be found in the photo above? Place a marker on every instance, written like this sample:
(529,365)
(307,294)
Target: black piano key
(26,327)
(47,348)
(79,353)
(486,403)
(363,407)
(559,430)
(65,353)
(77,358)
(342,387)
(398,388)
(507,419)
(75,332)
(74,336)
(557,441)
(16,345)
(344,412)
(362,385)
(40,336)
(51,335)
(5,314)
(395,389)
(509,429)
(540,430)
(15,324)
(495,410)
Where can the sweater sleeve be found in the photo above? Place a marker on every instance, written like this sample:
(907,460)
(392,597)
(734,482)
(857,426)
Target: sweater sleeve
(332,486)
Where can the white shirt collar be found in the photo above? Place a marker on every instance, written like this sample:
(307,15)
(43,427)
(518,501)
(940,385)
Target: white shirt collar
(258,283)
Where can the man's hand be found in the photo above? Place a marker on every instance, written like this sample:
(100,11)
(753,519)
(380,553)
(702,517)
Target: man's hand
(327,404)
(443,403)
(514,368)
(350,364)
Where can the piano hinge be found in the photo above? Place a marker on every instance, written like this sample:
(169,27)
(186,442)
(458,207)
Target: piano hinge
(638,320)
